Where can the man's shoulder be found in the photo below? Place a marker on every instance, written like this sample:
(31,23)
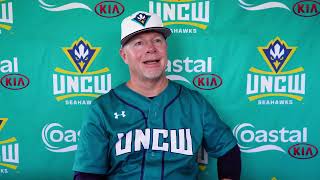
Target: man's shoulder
(189,93)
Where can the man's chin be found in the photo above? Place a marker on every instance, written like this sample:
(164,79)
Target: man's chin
(154,76)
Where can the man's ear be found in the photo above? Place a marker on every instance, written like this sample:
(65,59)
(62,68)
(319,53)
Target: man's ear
(123,55)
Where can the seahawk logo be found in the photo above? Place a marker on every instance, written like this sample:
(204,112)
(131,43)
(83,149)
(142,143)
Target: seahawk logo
(141,18)
(81,54)
(277,54)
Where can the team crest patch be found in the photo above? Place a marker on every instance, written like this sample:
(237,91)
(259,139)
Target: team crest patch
(81,54)
(280,84)
(277,54)
(141,18)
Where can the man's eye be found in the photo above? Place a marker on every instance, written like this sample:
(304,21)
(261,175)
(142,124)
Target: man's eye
(158,40)
(139,43)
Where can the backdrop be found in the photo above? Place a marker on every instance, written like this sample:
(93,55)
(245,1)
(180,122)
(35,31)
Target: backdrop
(256,61)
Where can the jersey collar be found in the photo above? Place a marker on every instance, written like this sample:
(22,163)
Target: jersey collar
(132,97)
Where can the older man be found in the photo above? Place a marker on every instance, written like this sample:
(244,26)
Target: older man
(150,127)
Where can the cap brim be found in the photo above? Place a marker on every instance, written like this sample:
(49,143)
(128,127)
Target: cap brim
(166,32)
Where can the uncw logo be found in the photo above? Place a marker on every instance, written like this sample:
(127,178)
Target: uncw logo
(278,81)
(183,16)
(6,15)
(9,154)
(81,82)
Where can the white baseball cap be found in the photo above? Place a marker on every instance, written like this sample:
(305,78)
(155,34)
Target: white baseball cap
(141,22)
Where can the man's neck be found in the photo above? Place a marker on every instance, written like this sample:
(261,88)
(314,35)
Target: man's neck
(150,88)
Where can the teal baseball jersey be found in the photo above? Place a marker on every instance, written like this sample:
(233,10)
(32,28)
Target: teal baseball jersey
(129,136)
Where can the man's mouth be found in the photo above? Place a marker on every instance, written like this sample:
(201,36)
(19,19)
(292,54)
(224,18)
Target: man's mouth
(151,62)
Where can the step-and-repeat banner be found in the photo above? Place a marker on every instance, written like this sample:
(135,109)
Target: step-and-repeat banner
(256,61)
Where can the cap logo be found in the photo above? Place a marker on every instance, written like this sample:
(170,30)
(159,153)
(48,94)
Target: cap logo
(141,18)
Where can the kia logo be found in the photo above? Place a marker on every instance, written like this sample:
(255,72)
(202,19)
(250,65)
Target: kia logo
(207,81)
(15,81)
(109,9)
(303,151)
(306,8)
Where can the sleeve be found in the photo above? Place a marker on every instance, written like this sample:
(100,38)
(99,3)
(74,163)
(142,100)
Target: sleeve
(217,136)
(229,165)
(92,152)
(88,176)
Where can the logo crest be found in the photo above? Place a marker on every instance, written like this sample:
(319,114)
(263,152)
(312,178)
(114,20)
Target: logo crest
(141,18)
(277,54)
(82,83)
(81,54)
(276,83)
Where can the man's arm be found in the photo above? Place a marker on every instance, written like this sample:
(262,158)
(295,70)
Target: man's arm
(88,176)
(91,155)
(229,165)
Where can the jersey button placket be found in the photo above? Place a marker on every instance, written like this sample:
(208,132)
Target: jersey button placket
(152,157)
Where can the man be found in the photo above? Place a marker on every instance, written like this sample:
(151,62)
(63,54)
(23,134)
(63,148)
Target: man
(150,127)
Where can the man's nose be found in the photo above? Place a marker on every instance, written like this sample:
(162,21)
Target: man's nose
(151,47)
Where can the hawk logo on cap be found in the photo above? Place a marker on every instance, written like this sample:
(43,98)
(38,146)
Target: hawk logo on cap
(141,18)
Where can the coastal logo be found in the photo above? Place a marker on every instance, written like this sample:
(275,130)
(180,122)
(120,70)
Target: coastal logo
(58,139)
(302,8)
(106,9)
(182,16)
(68,85)
(6,16)
(264,6)
(252,140)
(179,69)
(12,79)
(9,154)
(65,7)
(276,86)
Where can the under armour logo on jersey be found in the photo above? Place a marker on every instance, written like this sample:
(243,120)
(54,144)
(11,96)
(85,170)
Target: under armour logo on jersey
(116,115)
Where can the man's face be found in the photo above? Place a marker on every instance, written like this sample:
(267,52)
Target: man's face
(146,56)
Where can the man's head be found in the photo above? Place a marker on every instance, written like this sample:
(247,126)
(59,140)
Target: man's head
(144,46)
